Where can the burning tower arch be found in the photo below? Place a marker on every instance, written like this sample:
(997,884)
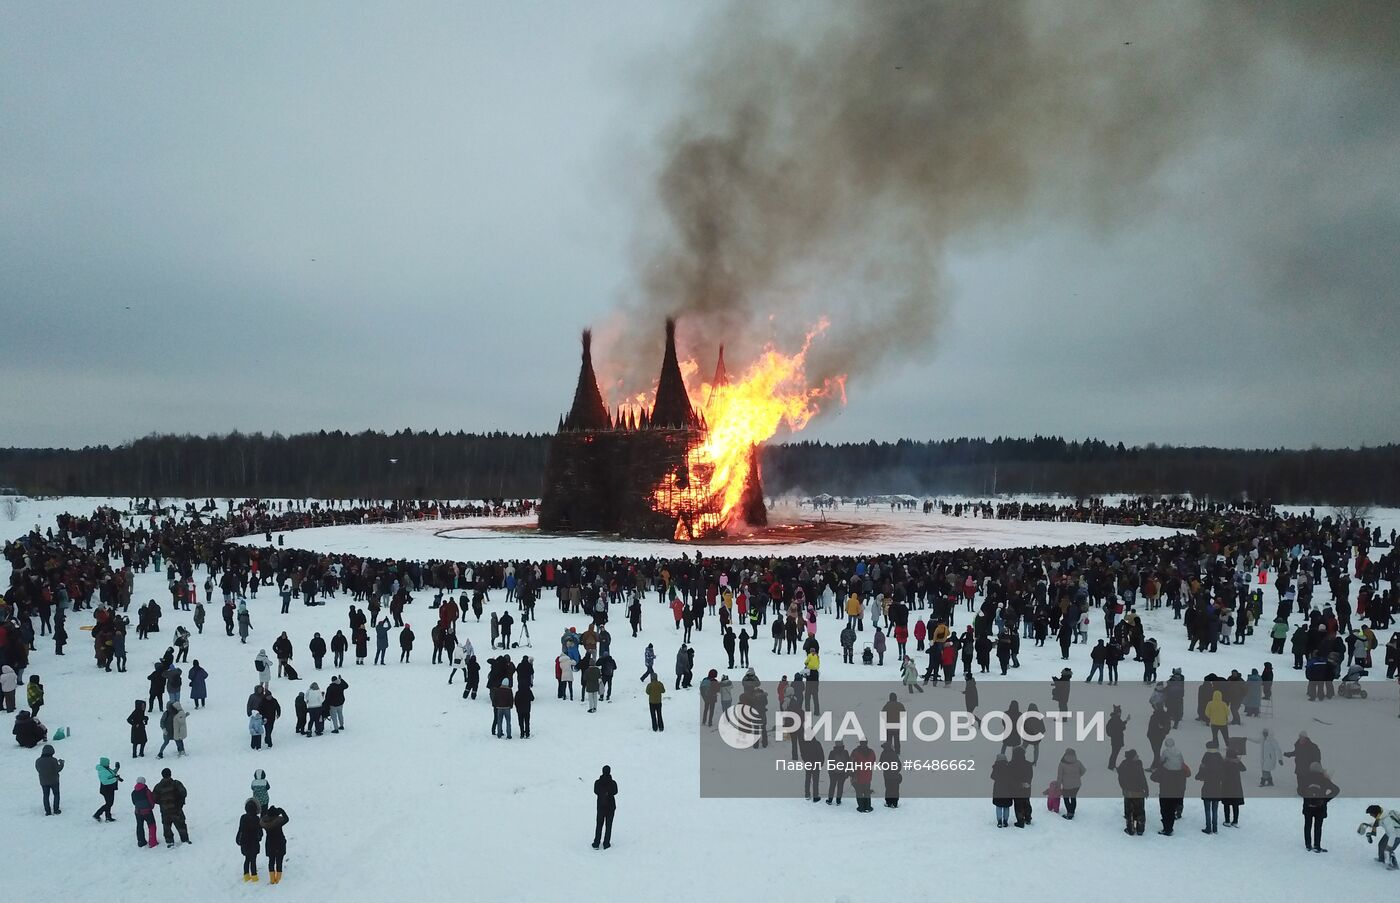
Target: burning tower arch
(636,473)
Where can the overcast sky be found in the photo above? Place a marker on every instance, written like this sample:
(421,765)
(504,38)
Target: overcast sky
(344,216)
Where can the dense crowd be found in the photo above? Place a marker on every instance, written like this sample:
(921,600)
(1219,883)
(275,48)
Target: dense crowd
(973,607)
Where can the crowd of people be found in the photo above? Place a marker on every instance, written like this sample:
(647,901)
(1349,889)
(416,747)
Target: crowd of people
(1234,571)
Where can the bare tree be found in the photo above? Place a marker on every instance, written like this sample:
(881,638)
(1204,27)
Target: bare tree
(1348,513)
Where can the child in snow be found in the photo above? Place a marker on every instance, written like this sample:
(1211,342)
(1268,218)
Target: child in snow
(34,694)
(260,787)
(255,729)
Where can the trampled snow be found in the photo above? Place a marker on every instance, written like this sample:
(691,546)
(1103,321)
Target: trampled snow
(417,800)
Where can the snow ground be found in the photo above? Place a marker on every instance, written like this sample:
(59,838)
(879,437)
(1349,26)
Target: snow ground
(881,530)
(417,797)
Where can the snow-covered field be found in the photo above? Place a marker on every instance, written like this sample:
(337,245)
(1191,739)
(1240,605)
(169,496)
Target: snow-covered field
(879,530)
(417,800)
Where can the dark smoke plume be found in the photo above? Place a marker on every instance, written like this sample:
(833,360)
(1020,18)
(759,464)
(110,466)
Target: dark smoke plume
(828,157)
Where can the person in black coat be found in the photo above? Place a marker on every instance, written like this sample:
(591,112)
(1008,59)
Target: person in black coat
(29,731)
(1133,782)
(469,689)
(273,820)
(271,710)
(157,696)
(1003,793)
(318,651)
(524,697)
(1232,787)
(840,761)
(605,788)
(1020,773)
(1318,789)
(1211,774)
(338,646)
(249,839)
(889,770)
(138,721)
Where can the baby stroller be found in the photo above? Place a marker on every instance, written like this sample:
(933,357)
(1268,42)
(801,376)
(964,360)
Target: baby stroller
(1350,687)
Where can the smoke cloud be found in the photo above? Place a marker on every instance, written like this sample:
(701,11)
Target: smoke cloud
(828,158)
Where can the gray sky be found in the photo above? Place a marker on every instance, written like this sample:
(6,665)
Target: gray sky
(316,216)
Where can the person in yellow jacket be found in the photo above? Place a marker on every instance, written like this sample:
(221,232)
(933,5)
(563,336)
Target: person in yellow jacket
(812,698)
(1218,714)
(853,612)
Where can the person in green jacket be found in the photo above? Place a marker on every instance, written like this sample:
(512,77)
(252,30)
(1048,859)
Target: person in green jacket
(592,676)
(108,776)
(34,695)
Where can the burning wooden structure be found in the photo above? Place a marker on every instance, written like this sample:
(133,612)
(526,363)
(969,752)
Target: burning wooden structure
(634,472)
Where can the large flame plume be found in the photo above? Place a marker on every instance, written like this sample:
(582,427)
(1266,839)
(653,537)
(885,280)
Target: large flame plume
(739,415)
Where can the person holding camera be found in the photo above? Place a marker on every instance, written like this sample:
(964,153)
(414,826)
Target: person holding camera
(108,777)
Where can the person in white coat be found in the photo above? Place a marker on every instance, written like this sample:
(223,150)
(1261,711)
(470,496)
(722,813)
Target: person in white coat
(9,680)
(565,668)
(263,665)
(1270,757)
(1387,824)
(315,710)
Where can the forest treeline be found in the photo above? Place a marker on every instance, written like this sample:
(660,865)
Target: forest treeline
(409,464)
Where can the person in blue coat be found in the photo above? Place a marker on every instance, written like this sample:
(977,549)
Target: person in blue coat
(1253,693)
(381,641)
(198,688)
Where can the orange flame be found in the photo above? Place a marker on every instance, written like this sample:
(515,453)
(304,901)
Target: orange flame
(740,415)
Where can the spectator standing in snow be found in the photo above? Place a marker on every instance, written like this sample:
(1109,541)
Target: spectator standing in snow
(255,729)
(144,805)
(605,789)
(173,728)
(249,839)
(502,702)
(381,641)
(49,766)
(315,710)
(335,703)
(524,697)
(1318,790)
(138,719)
(260,789)
(169,795)
(273,820)
(655,691)
(199,690)
(108,776)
